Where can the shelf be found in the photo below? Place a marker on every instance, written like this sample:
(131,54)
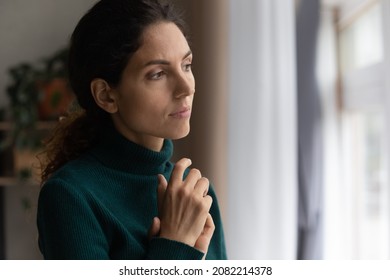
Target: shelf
(12,181)
(8,181)
(41,125)
(21,158)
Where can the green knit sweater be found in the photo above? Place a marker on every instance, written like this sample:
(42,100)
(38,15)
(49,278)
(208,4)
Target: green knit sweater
(101,205)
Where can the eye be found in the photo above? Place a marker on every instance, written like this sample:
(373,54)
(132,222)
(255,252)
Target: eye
(156,75)
(187,67)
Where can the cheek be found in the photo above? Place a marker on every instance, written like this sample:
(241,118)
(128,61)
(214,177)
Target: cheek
(127,105)
(192,80)
(143,110)
(143,103)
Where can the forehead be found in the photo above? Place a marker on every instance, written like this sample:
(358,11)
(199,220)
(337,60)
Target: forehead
(162,40)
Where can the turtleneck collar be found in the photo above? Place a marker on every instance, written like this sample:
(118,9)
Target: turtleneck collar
(117,152)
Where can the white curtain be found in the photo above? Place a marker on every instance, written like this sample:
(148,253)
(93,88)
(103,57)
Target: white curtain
(386,30)
(336,227)
(262,148)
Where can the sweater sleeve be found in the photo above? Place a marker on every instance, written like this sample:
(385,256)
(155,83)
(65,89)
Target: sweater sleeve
(165,249)
(67,226)
(217,248)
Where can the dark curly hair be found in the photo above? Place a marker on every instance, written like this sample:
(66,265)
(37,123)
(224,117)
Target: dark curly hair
(101,45)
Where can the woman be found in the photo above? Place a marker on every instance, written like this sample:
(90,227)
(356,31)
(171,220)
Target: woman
(109,188)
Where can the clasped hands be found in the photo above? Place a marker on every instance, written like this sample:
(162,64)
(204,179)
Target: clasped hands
(183,207)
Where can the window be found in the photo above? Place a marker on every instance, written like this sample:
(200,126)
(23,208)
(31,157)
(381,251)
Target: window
(361,54)
(361,41)
(366,181)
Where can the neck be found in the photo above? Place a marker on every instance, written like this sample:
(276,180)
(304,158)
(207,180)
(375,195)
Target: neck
(147,141)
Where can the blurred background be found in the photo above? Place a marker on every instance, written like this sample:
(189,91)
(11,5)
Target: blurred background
(291,120)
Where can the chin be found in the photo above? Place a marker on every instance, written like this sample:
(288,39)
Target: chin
(179,134)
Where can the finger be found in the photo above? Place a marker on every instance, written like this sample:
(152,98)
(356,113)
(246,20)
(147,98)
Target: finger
(193,177)
(208,200)
(178,170)
(154,228)
(161,188)
(202,186)
(204,239)
(209,227)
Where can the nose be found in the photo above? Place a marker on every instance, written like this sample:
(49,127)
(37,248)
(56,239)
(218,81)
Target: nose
(185,85)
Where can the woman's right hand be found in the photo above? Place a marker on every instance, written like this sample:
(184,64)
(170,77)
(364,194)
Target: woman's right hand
(184,207)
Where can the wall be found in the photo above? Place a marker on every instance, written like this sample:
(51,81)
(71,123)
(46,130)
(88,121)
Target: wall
(30,30)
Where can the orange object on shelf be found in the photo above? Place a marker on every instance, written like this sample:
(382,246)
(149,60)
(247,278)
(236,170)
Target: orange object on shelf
(56,96)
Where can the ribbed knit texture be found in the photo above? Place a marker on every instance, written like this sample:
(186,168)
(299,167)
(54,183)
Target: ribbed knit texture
(101,206)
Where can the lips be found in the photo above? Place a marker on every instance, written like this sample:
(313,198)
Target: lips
(182,113)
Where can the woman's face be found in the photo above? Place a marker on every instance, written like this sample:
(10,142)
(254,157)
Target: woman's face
(154,97)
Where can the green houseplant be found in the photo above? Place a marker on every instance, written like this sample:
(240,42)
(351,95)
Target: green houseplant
(38,95)
(37,92)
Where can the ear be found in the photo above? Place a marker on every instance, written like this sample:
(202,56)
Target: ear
(103,95)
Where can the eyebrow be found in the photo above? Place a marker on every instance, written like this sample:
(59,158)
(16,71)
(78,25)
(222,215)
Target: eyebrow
(165,62)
